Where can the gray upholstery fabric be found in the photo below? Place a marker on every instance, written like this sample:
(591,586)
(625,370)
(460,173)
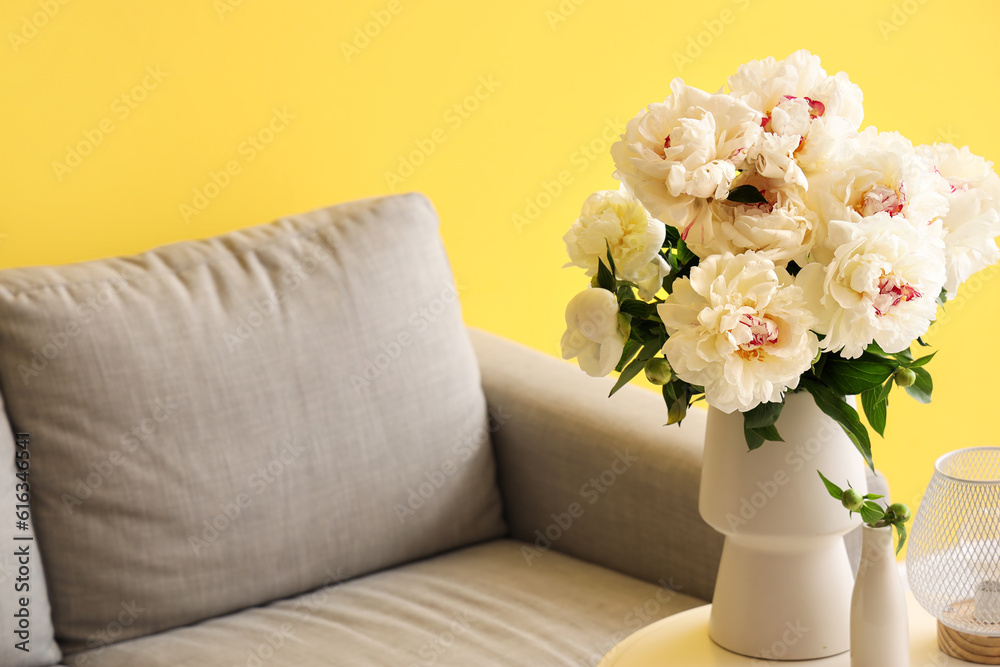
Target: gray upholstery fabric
(218,424)
(633,482)
(37,645)
(481,606)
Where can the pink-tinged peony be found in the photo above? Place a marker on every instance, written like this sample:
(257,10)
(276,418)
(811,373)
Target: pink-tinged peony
(614,219)
(780,229)
(740,328)
(875,172)
(972,224)
(799,101)
(881,286)
(593,334)
(677,154)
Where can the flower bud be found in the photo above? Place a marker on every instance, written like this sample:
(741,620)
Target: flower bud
(900,511)
(905,377)
(658,371)
(852,500)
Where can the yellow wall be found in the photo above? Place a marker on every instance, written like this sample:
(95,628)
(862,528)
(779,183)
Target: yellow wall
(541,88)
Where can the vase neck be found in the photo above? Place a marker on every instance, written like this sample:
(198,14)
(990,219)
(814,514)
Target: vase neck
(877,546)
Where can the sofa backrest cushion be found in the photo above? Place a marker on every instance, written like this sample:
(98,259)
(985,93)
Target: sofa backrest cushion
(221,423)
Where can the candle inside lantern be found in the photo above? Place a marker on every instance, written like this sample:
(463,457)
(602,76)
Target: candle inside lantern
(988,602)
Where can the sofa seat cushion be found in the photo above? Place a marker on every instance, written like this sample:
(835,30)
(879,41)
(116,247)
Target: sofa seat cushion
(498,603)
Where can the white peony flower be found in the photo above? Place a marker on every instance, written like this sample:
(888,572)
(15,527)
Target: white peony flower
(881,286)
(800,101)
(617,220)
(781,229)
(739,328)
(875,172)
(773,156)
(972,224)
(676,154)
(592,332)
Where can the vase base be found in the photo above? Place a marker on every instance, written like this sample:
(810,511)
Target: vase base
(800,595)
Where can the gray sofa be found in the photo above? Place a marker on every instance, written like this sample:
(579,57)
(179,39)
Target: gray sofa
(283,447)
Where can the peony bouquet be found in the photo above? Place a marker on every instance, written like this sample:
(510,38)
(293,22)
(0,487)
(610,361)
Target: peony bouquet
(760,242)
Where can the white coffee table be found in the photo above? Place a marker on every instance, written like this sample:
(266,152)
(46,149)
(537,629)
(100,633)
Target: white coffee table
(682,640)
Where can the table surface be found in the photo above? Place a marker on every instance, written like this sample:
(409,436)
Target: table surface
(682,639)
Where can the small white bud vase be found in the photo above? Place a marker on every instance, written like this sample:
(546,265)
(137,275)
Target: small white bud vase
(879,626)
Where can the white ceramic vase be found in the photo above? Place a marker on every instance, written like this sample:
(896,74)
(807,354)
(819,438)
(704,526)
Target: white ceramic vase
(784,585)
(879,625)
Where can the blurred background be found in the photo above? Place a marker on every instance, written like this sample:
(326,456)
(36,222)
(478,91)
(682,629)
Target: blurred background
(130,125)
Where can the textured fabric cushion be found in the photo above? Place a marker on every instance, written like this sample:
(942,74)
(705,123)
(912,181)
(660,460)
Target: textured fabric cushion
(217,424)
(21,579)
(481,606)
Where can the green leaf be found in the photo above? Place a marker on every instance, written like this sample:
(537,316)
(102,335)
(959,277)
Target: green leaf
(901,533)
(672,237)
(942,298)
(832,488)
(871,513)
(765,414)
(632,346)
(876,408)
(920,341)
(886,390)
(637,308)
(677,396)
(923,386)
(628,373)
(820,364)
(754,439)
(684,254)
(853,376)
(922,361)
(605,278)
(746,194)
(836,407)
(873,496)
(769,433)
(611,260)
